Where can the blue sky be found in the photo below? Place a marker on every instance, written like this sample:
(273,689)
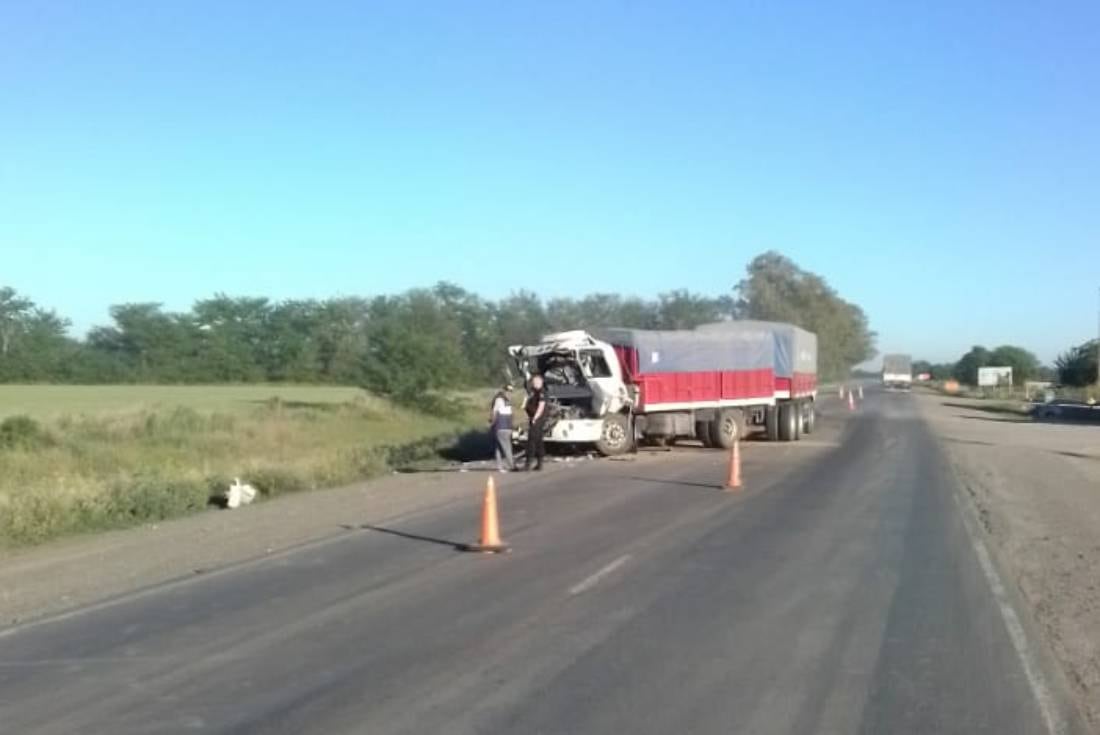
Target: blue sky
(938,163)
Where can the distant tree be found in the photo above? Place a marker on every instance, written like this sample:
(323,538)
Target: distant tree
(1047,372)
(340,335)
(966,368)
(942,370)
(685,310)
(1024,364)
(482,350)
(776,289)
(937,371)
(521,318)
(413,349)
(230,337)
(149,344)
(33,341)
(14,309)
(1077,365)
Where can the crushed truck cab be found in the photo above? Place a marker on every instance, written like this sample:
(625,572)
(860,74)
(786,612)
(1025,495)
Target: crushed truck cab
(584,385)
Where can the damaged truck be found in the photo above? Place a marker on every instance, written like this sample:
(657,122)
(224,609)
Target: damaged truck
(611,388)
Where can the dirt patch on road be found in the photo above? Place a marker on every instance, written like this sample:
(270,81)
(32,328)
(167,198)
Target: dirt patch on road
(1036,488)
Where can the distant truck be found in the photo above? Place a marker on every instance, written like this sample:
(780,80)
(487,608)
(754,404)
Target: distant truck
(897,371)
(612,387)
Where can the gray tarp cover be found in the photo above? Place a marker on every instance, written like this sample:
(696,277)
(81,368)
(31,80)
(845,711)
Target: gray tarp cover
(795,348)
(748,348)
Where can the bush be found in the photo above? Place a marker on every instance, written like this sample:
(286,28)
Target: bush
(151,497)
(34,517)
(23,432)
(272,481)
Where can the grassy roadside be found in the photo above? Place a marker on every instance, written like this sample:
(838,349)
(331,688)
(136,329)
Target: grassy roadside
(134,454)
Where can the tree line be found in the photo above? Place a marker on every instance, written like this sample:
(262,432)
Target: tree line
(1076,367)
(401,345)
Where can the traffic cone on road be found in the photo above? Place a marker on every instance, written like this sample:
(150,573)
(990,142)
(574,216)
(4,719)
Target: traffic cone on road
(733,477)
(861,392)
(490,528)
(840,392)
(851,401)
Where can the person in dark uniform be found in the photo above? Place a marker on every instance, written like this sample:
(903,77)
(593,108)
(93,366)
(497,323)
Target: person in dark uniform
(535,406)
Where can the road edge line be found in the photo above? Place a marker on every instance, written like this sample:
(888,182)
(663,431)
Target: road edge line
(1051,706)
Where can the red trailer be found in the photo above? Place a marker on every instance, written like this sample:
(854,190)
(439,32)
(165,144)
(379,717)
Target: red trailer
(795,368)
(711,385)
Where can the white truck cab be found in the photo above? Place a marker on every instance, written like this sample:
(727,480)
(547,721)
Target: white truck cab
(588,399)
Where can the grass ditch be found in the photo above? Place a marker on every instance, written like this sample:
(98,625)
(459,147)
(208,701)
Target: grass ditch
(81,473)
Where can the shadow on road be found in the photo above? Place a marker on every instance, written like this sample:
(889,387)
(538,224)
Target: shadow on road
(456,545)
(969,441)
(685,483)
(1077,455)
(989,408)
(1006,420)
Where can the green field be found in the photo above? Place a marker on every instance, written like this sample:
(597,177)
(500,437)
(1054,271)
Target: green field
(52,401)
(78,458)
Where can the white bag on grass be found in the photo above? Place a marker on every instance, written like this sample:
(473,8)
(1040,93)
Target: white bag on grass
(239,494)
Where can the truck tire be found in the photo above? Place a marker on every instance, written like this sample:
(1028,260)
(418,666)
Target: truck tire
(615,436)
(788,421)
(702,433)
(809,417)
(771,423)
(727,428)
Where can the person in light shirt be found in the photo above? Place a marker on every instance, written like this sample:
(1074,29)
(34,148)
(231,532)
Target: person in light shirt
(500,421)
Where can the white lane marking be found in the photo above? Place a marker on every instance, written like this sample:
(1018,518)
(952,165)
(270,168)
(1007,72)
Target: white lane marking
(593,579)
(1040,689)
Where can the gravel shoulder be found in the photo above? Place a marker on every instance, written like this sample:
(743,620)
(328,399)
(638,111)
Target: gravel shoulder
(1036,488)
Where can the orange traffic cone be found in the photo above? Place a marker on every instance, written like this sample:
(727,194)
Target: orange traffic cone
(861,392)
(851,401)
(490,529)
(840,392)
(733,477)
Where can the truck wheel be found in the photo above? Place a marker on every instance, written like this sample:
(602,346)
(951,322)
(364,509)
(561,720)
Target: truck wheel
(788,422)
(809,417)
(771,423)
(702,433)
(727,428)
(615,436)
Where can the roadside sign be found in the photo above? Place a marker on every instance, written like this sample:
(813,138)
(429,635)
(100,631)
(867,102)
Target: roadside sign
(991,377)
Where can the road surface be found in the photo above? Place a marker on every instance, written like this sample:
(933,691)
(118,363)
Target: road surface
(840,592)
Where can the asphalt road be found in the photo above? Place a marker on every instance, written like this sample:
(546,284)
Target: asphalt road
(838,593)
